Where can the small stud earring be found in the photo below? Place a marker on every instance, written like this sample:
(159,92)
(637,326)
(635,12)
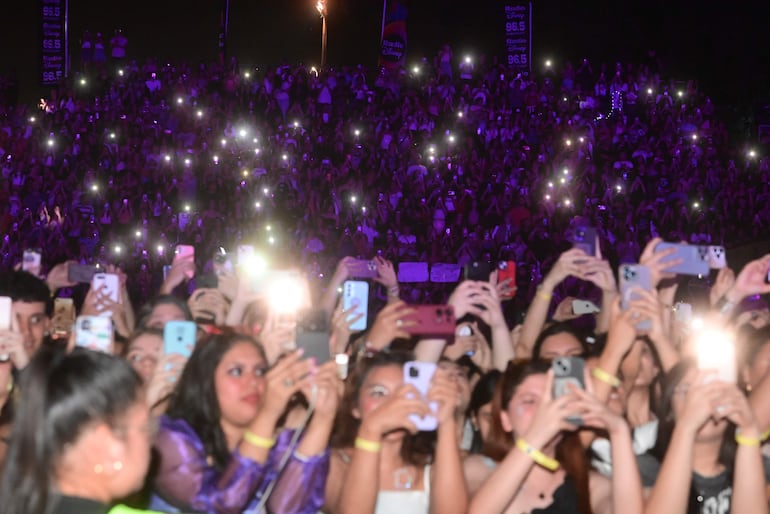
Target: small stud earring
(98,469)
(117,465)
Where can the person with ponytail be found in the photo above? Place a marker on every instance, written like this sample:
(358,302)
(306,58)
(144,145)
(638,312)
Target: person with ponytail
(81,437)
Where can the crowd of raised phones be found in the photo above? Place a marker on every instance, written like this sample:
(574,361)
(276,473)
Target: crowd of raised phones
(220,293)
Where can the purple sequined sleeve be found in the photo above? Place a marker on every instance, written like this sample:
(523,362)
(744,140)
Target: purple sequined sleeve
(188,481)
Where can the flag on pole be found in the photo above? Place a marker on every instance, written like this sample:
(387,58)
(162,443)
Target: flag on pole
(393,41)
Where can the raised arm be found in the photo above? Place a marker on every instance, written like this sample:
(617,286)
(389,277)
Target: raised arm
(568,264)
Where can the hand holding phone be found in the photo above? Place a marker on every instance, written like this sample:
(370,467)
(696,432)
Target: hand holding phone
(420,374)
(107,284)
(94,333)
(31,262)
(431,321)
(634,276)
(355,300)
(568,372)
(179,338)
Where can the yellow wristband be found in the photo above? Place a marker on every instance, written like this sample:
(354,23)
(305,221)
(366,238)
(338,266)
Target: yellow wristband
(603,376)
(258,441)
(536,455)
(544,296)
(745,440)
(367,446)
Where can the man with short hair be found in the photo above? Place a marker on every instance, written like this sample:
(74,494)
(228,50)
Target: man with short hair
(30,309)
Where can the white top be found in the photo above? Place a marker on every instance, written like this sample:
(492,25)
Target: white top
(405,501)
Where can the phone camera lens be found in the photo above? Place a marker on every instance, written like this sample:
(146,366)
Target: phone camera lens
(414,372)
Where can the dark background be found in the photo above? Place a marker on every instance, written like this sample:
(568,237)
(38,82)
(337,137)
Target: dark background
(723,45)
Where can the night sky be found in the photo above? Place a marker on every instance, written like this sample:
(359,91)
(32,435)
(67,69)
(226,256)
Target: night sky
(724,45)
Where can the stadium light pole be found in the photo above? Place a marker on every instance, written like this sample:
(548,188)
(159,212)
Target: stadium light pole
(321,8)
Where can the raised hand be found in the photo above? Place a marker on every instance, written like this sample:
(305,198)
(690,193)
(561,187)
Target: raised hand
(390,324)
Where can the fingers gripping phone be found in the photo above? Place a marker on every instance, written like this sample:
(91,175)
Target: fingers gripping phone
(695,260)
(568,371)
(107,284)
(420,374)
(634,276)
(94,333)
(355,300)
(360,268)
(179,338)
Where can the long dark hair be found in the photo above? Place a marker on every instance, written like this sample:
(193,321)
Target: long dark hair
(482,394)
(61,394)
(195,397)
(416,449)
(569,451)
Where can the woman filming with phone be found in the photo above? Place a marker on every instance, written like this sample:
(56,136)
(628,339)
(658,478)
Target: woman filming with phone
(533,460)
(377,438)
(220,446)
(710,441)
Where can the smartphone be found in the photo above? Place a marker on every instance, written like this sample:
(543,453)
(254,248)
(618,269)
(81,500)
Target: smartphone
(166,270)
(360,268)
(584,238)
(717,257)
(634,276)
(581,307)
(507,270)
(695,259)
(715,350)
(355,299)
(420,374)
(63,317)
(432,321)
(566,371)
(185,252)
(179,337)
(30,261)
(683,313)
(94,333)
(80,273)
(108,284)
(477,270)
(312,335)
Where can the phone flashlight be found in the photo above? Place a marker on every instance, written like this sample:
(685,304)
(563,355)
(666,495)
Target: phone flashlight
(715,350)
(285,294)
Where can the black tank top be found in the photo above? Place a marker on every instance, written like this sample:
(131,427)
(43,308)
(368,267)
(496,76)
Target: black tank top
(565,500)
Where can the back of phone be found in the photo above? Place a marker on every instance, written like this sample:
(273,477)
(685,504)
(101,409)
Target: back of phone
(477,270)
(566,371)
(80,273)
(107,284)
(179,338)
(634,276)
(363,269)
(355,300)
(507,270)
(419,374)
(584,238)
(432,321)
(695,259)
(94,333)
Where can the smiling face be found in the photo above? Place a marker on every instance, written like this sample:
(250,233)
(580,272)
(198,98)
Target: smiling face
(240,383)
